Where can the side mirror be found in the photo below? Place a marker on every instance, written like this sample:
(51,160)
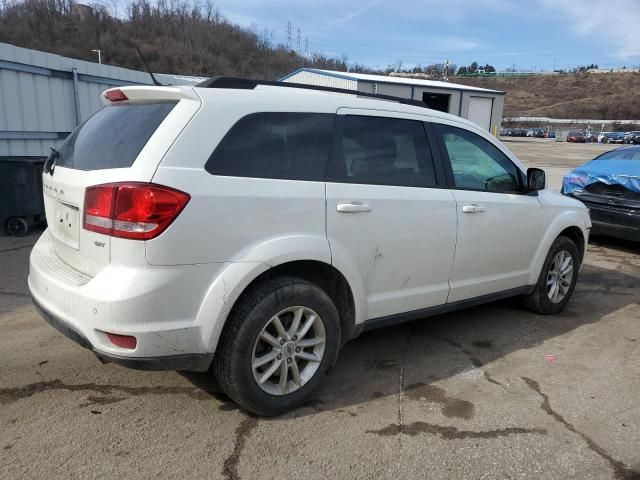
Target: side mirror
(536,179)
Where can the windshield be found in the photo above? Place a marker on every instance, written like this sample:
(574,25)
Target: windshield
(113,137)
(632,153)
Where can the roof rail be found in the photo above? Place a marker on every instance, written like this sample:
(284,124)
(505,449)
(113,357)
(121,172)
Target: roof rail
(240,83)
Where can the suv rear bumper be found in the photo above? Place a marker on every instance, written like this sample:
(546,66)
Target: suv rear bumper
(192,362)
(157,305)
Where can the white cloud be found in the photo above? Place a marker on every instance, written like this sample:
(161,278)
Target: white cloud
(615,24)
(355,13)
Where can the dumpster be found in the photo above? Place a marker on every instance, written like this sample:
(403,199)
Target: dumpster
(21,202)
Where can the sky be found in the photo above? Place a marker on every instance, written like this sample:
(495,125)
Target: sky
(530,35)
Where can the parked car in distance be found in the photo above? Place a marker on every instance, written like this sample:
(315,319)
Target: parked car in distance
(536,132)
(518,132)
(253,228)
(632,138)
(576,136)
(611,137)
(610,186)
(550,134)
(590,136)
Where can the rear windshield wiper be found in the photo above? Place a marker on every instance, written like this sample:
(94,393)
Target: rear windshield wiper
(50,163)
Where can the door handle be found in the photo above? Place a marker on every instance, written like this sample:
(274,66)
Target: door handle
(472,209)
(353,207)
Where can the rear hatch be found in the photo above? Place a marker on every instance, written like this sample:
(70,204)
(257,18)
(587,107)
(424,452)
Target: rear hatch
(124,141)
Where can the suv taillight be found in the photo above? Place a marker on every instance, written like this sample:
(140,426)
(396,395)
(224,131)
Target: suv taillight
(139,211)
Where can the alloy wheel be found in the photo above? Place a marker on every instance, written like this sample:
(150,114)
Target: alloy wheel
(559,276)
(288,350)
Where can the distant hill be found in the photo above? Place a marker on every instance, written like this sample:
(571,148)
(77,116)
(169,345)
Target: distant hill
(613,96)
(188,38)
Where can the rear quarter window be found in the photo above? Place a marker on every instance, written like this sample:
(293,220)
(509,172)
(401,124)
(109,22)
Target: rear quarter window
(113,137)
(275,145)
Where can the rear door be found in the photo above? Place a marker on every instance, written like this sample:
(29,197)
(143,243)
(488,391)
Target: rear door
(387,217)
(124,141)
(499,226)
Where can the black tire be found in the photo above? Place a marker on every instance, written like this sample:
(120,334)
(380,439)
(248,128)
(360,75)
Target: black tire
(232,364)
(17,227)
(538,301)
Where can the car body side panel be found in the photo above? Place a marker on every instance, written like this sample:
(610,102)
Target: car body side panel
(494,247)
(230,219)
(558,213)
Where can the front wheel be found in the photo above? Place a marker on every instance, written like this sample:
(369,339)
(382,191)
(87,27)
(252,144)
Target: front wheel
(557,279)
(280,340)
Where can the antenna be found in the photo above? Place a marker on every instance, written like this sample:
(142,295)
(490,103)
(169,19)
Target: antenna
(153,79)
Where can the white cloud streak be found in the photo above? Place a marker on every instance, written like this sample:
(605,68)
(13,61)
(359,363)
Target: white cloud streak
(355,13)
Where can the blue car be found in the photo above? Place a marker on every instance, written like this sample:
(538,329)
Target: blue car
(609,185)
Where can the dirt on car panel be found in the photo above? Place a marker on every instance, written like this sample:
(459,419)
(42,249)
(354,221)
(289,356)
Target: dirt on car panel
(451,407)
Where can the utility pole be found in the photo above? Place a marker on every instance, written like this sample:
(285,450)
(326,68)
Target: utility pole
(446,70)
(298,42)
(306,47)
(99,56)
(289,31)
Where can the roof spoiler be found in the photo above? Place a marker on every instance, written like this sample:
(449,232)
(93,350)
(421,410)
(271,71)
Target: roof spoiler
(139,93)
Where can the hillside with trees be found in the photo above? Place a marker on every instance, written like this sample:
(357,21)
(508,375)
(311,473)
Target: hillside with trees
(174,36)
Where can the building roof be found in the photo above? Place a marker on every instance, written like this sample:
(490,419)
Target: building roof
(51,64)
(174,80)
(392,80)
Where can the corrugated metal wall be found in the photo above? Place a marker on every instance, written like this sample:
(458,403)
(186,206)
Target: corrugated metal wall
(311,78)
(37,101)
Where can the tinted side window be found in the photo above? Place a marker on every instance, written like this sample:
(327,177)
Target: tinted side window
(382,151)
(275,145)
(113,137)
(476,163)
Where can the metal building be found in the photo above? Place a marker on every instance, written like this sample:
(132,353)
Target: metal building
(479,105)
(43,96)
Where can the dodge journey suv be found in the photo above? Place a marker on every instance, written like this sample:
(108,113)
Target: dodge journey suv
(252,228)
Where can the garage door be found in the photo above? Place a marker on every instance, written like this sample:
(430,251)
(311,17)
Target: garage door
(480,111)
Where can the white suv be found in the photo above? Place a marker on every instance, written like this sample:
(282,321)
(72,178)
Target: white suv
(255,227)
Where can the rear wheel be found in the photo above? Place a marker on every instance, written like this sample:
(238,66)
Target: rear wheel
(557,279)
(279,342)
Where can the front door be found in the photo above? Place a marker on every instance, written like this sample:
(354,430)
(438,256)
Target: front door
(498,223)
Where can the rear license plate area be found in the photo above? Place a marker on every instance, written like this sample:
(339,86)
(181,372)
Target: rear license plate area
(66,223)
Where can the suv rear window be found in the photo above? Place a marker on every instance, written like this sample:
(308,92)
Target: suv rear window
(275,145)
(113,137)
